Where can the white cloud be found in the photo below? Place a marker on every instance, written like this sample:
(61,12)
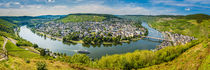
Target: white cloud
(79,0)
(10,4)
(185,3)
(50,0)
(199,1)
(35,10)
(187,9)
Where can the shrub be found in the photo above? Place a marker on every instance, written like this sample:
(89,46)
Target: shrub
(80,59)
(27,61)
(24,43)
(41,66)
(42,52)
(35,46)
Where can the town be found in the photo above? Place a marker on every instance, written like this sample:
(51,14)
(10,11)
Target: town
(108,28)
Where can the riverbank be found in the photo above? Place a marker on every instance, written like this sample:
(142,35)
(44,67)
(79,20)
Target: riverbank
(81,42)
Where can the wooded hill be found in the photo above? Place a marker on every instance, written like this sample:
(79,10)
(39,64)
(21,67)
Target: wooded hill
(87,17)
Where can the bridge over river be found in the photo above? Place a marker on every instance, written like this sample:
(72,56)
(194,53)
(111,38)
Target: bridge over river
(155,38)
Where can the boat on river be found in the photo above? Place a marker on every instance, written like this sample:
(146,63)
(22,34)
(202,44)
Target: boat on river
(83,51)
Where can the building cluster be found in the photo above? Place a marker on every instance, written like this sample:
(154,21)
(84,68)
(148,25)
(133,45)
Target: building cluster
(123,28)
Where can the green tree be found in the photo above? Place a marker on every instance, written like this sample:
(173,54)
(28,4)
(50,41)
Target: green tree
(35,46)
(42,52)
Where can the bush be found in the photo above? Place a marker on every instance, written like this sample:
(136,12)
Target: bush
(41,66)
(24,43)
(27,61)
(35,46)
(42,52)
(80,59)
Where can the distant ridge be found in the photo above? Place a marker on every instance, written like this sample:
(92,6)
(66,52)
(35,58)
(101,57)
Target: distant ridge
(84,17)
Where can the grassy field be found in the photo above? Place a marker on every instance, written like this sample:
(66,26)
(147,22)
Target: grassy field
(16,63)
(13,50)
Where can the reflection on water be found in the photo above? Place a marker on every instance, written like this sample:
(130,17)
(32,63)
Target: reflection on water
(96,51)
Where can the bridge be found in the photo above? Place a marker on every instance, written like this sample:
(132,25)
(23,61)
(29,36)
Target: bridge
(155,38)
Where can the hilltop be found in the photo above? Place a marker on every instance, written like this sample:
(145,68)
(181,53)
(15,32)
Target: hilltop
(86,17)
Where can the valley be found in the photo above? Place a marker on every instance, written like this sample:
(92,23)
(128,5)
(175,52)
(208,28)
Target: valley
(32,44)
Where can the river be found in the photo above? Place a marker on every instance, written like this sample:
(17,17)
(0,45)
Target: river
(95,52)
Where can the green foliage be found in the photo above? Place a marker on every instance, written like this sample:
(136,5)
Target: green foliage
(86,17)
(80,59)
(24,43)
(71,36)
(143,58)
(205,63)
(35,46)
(87,40)
(185,27)
(42,52)
(41,65)
(91,40)
(8,24)
(82,18)
(1,43)
(198,17)
(6,28)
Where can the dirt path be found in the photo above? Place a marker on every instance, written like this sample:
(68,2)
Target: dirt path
(5,42)
(4,55)
(13,41)
(30,50)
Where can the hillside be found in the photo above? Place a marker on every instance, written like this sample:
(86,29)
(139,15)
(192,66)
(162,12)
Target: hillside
(23,56)
(86,18)
(6,28)
(197,57)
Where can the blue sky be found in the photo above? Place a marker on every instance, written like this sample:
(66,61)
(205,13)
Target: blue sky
(117,7)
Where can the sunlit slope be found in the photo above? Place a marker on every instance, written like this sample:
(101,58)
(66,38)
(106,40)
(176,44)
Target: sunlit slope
(16,63)
(197,57)
(189,27)
(6,28)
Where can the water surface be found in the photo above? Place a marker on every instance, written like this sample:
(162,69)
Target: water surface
(95,52)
